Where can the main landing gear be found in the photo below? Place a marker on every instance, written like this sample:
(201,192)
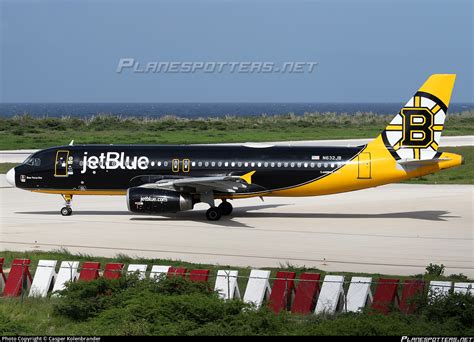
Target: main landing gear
(215,213)
(67,210)
(225,208)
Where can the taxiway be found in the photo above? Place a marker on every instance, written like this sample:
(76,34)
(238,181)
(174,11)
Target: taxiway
(394,229)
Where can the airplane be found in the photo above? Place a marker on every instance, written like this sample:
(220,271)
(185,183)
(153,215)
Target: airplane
(159,179)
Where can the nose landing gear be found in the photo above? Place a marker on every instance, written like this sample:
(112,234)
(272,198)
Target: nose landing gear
(67,210)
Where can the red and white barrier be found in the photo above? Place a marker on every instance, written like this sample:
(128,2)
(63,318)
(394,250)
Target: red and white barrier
(226,284)
(136,268)
(306,293)
(113,270)
(464,288)
(44,278)
(282,291)
(258,288)
(90,271)
(359,294)
(3,278)
(67,272)
(19,279)
(303,296)
(157,271)
(331,297)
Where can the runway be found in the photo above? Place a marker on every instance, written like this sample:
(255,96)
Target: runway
(395,229)
(18,156)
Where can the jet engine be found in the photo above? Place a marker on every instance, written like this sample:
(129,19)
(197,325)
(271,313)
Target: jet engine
(146,200)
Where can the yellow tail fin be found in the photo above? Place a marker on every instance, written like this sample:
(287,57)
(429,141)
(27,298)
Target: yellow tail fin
(415,132)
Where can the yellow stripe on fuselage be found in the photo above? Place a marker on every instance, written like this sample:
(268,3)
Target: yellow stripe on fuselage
(384,170)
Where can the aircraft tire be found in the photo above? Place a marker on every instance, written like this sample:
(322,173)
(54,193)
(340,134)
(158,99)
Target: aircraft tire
(213,214)
(226,208)
(65,211)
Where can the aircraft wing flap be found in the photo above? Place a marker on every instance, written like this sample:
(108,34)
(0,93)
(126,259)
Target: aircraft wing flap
(201,184)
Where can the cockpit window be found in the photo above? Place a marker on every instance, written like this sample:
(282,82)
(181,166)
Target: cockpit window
(33,161)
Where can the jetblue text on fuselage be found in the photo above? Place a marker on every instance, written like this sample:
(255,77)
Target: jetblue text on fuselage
(113,161)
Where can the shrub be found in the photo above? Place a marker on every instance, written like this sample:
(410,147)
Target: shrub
(435,270)
(456,307)
(18,131)
(10,327)
(84,299)
(458,277)
(181,286)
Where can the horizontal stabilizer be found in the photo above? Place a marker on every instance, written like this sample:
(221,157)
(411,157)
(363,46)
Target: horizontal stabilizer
(414,163)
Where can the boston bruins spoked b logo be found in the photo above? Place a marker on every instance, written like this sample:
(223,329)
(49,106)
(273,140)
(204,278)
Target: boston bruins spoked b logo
(416,131)
(417,127)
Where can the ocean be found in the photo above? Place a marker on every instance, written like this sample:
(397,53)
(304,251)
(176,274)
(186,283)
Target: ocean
(193,110)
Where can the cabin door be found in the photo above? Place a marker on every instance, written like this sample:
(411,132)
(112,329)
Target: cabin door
(61,164)
(365,167)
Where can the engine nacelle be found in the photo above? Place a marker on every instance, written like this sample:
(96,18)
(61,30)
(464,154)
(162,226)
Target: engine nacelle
(146,200)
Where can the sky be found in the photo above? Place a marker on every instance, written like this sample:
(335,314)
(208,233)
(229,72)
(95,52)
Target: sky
(366,50)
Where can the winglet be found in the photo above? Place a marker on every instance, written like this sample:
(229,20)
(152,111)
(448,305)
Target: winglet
(248,177)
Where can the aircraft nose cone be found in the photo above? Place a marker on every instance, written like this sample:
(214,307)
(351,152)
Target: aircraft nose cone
(11,177)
